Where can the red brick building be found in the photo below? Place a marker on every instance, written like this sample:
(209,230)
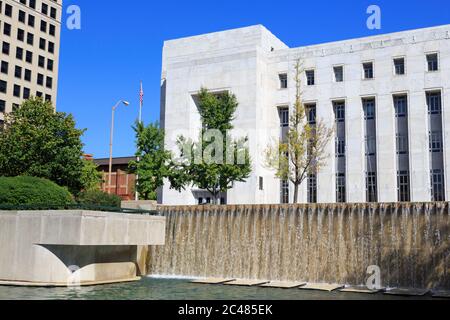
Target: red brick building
(122,183)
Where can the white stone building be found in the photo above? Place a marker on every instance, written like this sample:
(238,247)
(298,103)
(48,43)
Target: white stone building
(387,95)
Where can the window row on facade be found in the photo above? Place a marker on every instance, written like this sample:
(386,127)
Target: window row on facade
(45,9)
(27,37)
(401,109)
(367,70)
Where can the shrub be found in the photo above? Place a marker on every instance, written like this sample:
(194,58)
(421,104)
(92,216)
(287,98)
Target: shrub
(32,191)
(99,198)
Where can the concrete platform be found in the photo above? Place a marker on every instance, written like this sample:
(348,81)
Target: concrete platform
(212,281)
(360,289)
(441,294)
(59,285)
(246,283)
(283,284)
(407,292)
(75,247)
(321,287)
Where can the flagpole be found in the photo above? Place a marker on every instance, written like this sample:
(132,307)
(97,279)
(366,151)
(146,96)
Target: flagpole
(136,197)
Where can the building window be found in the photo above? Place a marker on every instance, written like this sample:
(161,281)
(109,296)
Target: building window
(340,147)
(434,102)
(18,72)
(53,13)
(399,66)
(340,188)
(368,70)
(371,187)
(21,16)
(42,44)
(3,86)
(311,114)
(369,109)
(284,191)
(312,188)
(403,186)
(402,144)
(8,10)
(435,141)
(40,79)
(4,67)
(284,116)
(49,82)
(31,20)
(433,62)
(20,35)
(30,39)
(371,146)
(27,75)
(7,29)
(43,26)
(41,62)
(52,30)
(5,48)
(29,57)
(339,111)
(44,9)
(26,93)
(2,106)
(283,81)
(310,77)
(261,183)
(338,74)
(401,106)
(437,185)
(16,91)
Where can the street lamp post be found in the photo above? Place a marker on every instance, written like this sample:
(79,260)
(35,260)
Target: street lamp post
(126,103)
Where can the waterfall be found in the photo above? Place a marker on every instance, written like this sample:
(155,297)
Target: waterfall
(313,243)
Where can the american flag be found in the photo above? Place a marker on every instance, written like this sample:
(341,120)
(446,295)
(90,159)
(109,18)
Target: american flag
(141,95)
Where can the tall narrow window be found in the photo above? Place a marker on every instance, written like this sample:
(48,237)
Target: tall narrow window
(340,152)
(283,113)
(434,102)
(284,191)
(312,188)
(402,147)
(312,174)
(371,149)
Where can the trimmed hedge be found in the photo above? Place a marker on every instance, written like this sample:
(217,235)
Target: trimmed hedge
(32,191)
(99,198)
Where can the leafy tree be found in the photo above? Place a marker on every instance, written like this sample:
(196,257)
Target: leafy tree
(91,178)
(216,161)
(303,151)
(39,142)
(151,168)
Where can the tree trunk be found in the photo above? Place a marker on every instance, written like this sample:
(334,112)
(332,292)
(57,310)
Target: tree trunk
(296,193)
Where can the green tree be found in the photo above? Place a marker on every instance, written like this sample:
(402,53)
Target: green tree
(303,151)
(151,168)
(39,142)
(216,161)
(91,178)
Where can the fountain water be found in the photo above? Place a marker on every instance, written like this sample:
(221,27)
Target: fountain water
(313,243)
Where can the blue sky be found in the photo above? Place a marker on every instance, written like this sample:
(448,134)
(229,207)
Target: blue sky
(120,43)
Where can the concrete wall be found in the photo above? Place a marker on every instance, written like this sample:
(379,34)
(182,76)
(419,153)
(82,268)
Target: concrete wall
(57,247)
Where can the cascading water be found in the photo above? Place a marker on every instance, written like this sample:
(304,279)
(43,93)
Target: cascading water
(317,243)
